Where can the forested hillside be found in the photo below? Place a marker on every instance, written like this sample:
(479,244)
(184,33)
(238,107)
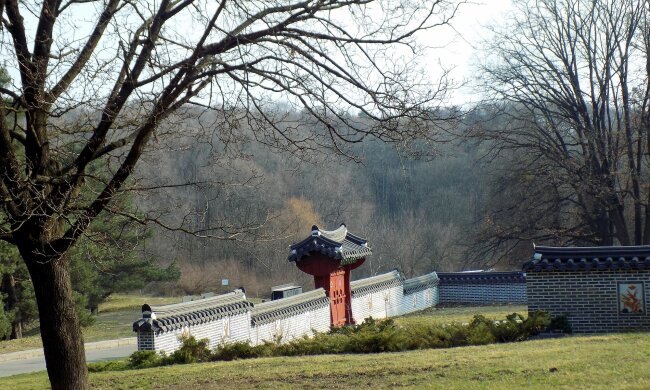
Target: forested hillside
(420,211)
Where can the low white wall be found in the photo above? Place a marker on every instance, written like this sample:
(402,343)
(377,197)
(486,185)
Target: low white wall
(419,300)
(377,304)
(385,299)
(297,326)
(224,330)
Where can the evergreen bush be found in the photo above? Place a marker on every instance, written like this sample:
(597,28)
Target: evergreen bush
(371,336)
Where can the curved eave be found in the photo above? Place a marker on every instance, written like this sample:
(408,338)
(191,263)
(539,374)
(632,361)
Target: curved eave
(421,283)
(334,250)
(602,258)
(375,283)
(171,317)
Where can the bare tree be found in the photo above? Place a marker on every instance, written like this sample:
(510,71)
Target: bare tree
(95,90)
(573,77)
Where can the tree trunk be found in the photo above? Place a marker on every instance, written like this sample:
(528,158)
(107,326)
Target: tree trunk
(62,339)
(16,330)
(8,287)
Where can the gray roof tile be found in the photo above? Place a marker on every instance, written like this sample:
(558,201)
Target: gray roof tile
(375,283)
(610,258)
(420,283)
(286,307)
(488,277)
(170,317)
(337,244)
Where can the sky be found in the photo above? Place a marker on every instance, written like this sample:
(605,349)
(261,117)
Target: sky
(456,47)
(461,43)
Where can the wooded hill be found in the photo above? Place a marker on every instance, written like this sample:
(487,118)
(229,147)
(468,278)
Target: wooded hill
(421,208)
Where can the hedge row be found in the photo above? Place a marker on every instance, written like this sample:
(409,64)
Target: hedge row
(372,336)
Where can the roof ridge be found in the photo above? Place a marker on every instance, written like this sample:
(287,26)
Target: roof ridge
(283,303)
(183,307)
(589,258)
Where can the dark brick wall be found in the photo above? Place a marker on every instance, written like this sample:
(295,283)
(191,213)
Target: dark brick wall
(146,341)
(482,294)
(588,298)
(481,288)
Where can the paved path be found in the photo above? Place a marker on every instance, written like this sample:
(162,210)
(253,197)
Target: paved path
(93,354)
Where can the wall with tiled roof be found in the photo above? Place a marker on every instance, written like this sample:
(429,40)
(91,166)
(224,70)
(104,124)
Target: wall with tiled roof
(419,300)
(230,317)
(290,328)
(482,288)
(590,300)
(380,303)
(592,286)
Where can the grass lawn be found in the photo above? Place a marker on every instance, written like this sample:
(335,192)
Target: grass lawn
(461,314)
(113,322)
(595,362)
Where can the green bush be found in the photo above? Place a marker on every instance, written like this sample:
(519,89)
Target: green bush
(242,350)
(481,331)
(536,322)
(191,351)
(560,323)
(113,365)
(145,359)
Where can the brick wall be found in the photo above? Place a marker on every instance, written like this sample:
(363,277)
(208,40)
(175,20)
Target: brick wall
(146,341)
(482,288)
(588,298)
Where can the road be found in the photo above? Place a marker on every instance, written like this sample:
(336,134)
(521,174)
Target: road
(38,364)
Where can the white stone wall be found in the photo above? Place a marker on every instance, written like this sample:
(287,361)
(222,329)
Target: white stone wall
(297,326)
(387,302)
(223,330)
(375,304)
(239,329)
(418,300)
(391,302)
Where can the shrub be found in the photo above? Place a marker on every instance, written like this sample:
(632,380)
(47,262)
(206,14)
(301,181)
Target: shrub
(191,351)
(242,350)
(423,336)
(560,323)
(481,331)
(371,336)
(114,365)
(145,359)
(536,322)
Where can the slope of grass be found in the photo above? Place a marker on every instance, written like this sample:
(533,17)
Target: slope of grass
(122,302)
(113,322)
(446,315)
(594,362)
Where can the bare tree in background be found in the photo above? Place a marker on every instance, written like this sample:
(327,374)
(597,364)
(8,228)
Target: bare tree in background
(98,79)
(572,77)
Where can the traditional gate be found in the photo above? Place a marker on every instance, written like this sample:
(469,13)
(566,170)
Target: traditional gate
(330,256)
